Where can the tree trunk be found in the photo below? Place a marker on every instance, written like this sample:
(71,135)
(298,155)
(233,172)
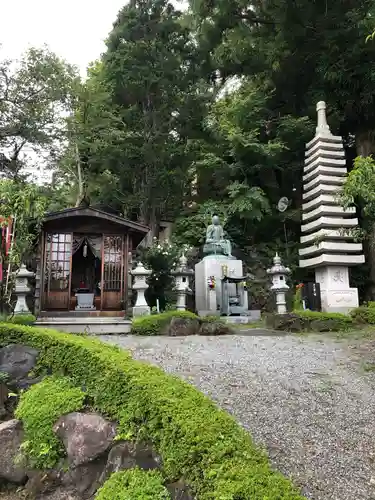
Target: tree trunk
(80,178)
(365,142)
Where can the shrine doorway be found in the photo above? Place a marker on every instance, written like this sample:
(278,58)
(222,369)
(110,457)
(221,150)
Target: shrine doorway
(85,289)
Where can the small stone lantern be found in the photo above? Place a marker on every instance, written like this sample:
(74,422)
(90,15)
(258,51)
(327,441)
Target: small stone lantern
(182,276)
(22,289)
(140,274)
(279,274)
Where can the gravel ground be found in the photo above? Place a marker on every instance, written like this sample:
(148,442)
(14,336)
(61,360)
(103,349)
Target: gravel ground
(306,400)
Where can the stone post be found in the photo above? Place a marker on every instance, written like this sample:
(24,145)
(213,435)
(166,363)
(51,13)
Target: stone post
(279,275)
(182,276)
(140,274)
(22,289)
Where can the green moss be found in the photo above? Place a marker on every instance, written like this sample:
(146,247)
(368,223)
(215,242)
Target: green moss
(313,320)
(22,319)
(134,484)
(155,323)
(364,314)
(39,408)
(196,440)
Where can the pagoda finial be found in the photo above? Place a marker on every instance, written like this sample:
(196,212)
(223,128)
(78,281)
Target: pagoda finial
(322,126)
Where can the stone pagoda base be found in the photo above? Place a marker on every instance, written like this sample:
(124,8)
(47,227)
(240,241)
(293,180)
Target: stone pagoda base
(336,293)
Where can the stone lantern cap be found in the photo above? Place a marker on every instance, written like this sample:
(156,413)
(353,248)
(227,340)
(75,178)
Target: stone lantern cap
(278,267)
(182,269)
(24,273)
(140,270)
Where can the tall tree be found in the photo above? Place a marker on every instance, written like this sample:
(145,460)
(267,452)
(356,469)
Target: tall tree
(299,53)
(34,93)
(152,70)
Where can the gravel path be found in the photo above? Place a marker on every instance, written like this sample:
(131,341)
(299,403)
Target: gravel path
(306,400)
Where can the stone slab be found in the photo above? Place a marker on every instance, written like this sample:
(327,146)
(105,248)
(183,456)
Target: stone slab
(90,326)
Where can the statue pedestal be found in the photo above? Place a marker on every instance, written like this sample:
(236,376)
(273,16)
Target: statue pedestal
(336,293)
(214,266)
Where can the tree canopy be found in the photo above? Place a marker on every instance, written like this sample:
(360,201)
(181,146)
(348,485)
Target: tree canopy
(202,111)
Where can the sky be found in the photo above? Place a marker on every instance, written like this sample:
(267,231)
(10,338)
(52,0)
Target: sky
(74,29)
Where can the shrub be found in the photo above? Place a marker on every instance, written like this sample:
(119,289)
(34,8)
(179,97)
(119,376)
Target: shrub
(156,323)
(364,314)
(309,321)
(337,321)
(134,484)
(196,440)
(22,319)
(39,408)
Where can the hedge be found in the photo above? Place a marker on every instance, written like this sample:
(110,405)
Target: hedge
(313,321)
(196,440)
(134,484)
(364,314)
(155,323)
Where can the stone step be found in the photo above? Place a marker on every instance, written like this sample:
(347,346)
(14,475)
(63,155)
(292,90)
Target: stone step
(92,325)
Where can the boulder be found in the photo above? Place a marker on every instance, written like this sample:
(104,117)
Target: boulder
(11,435)
(215,328)
(325,325)
(180,491)
(182,327)
(85,436)
(59,494)
(285,322)
(84,479)
(4,393)
(41,482)
(127,455)
(17,361)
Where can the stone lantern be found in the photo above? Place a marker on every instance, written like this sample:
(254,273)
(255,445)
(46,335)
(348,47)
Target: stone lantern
(22,289)
(182,277)
(279,274)
(140,274)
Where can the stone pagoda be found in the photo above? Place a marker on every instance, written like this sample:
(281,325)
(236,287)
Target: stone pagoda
(326,243)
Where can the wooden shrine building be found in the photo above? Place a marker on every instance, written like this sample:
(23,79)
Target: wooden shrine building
(83,263)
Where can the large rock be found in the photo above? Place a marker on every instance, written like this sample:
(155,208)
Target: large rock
(11,435)
(17,361)
(85,436)
(288,322)
(86,478)
(182,327)
(59,494)
(180,491)
(215,328)
(127,455)
(4,393)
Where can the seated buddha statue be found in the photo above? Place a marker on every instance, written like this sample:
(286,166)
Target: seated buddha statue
(216,244)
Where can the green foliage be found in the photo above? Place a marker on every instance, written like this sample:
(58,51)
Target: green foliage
(22,319)
(161,258)
(314,320)
(309,321)
(39,409)
(134,484)
(297,299)
(360,185)
(24,202)
(196,440)
(33,93)
(364,314)
(156,323)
